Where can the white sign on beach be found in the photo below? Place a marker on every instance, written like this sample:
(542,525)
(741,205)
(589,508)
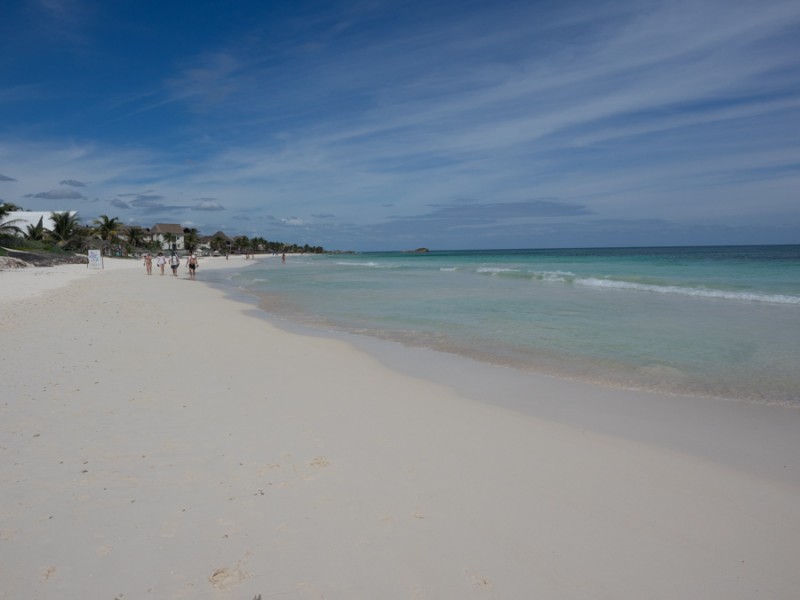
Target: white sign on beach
(95,259)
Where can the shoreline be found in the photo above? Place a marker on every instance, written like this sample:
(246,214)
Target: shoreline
(159,440)
(673,420)
(563,368)
(647,416)
(633,339)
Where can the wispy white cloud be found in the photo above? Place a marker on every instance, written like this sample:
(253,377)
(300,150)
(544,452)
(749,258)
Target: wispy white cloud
(59,195)
(208,204)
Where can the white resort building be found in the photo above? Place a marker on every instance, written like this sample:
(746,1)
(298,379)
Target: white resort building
(167,234)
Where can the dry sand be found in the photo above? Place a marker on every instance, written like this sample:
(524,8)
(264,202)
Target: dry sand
(159,440)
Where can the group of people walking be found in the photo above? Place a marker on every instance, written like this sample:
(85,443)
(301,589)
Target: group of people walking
(174,262)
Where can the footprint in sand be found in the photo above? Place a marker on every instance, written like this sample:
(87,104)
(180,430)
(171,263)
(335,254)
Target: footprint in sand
(48,572)
(479,581)
(225,577)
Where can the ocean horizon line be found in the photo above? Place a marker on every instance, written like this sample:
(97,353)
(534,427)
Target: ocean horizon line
(428,249)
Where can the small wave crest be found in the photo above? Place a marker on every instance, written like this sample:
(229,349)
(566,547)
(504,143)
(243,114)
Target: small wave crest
(369,264)
(496,270)
(686,291)
(565,276)
(559,276)
(568,277)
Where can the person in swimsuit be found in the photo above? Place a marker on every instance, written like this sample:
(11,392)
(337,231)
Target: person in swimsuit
(148,263)
(174,263)
(161,261)
(192,263)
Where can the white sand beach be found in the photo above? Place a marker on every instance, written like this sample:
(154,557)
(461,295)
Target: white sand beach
(159,439)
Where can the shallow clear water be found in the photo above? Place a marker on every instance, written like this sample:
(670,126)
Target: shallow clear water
(723,321)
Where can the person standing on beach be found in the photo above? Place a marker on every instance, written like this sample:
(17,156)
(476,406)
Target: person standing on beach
(148,263)
(192,263)
(174,263)
(161,261)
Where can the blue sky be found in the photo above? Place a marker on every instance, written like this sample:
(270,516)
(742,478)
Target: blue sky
(377,125)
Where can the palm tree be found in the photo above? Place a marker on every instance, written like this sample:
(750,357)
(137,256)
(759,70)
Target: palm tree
(219,244)
(258,244)
(241,242)
(135,235)
(65,227)
(85,234)
(9,227)
(152,244)
(107,229)
(8,207)
(191,239)
(36,232)
(170,239)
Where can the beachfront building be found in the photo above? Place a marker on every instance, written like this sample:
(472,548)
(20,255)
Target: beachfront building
(167,234)
(217,242)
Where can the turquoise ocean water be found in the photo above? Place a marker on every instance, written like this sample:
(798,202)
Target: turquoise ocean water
(720,321)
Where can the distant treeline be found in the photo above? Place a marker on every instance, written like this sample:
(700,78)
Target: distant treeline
(64,232)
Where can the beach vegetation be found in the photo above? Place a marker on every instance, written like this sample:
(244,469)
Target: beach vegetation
(135,236)
(36,243)
(36,232)
(170,239)
(191,239)
(9,227)
(219,243)
(8,207)
(258,244)
(66,234)
(108,230)
(241,244)
(64,231)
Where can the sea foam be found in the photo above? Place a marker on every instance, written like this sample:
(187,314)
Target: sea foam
(698,292)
